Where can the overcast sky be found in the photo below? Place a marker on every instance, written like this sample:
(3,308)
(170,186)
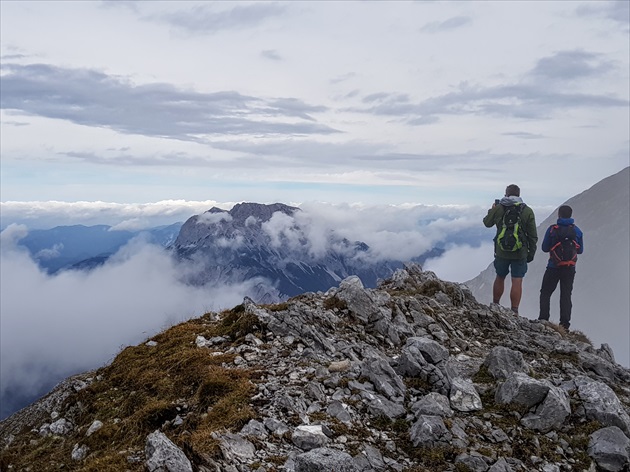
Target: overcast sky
(372,102)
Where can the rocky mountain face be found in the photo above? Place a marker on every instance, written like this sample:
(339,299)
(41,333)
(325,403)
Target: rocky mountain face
(601,304)
(414,375)
(266,242)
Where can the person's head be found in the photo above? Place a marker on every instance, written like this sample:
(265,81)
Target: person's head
(565,211)
(512,190)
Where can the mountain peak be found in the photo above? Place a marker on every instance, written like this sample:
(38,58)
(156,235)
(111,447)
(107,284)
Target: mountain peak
(241,211)
(241,244)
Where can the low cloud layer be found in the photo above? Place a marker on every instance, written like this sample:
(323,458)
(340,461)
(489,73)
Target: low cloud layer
(461,263)
(123,216)
(53,326)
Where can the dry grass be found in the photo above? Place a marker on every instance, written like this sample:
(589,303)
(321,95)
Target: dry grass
(144,389)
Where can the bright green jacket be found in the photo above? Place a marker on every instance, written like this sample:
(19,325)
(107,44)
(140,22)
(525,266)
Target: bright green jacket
(528,224)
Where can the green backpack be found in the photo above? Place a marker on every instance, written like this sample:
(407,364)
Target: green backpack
(510,238)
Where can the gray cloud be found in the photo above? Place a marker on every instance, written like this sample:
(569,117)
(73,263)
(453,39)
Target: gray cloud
(617,11)
(39,215)
(524,135)
(571,65)
(446,25)
(206,19)
(342,78)
(132,5)
(92,98)
(179,159)
(271,54)
(532,98)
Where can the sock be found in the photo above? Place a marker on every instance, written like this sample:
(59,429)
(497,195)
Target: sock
(515,309)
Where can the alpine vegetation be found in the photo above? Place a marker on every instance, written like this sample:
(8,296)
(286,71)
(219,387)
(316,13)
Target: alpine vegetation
(413,375)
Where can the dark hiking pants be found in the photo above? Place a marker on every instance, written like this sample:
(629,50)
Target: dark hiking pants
(565,276)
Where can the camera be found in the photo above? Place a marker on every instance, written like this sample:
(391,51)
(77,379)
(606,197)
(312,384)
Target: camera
(496,201)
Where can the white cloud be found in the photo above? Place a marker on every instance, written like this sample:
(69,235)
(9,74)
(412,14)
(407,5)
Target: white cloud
(46,214)
(251,221)
(208,218)
(133,224)
(76,321)
(50,253)
(461,263)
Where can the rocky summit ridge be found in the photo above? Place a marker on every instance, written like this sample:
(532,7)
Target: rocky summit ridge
(414,375)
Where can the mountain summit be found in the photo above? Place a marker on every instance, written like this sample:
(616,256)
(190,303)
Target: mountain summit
(272,245)
(414,375)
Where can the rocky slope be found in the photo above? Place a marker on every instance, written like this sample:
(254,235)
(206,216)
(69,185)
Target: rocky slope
(414,375)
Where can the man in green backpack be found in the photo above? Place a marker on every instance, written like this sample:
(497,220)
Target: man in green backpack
(514,243)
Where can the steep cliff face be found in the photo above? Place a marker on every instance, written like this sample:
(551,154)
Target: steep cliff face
(266,243)
(413,375)
(601,305)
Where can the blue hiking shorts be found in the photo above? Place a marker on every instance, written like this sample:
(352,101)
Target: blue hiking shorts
(518,267)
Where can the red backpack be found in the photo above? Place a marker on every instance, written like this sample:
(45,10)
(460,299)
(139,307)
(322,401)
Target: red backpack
(564,245)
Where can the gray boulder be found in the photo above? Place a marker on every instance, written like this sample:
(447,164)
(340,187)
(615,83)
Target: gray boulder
(164,456)
(277,427)
(503,362)
(433,404)
(610,449)
(308,437)
(324,460)
(384,378)
(472,463)
(254,428)
(358,300)
(600,403)
(338,410)
(378,405)
(464,396)
(61,427)
(429,431)
(551,413)
(432,351)
(236,448)
(500,466)
(523,390)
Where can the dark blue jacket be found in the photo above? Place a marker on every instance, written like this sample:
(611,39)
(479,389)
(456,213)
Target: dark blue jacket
(546,244)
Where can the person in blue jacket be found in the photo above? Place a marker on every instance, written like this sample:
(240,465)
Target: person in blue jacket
(563,241)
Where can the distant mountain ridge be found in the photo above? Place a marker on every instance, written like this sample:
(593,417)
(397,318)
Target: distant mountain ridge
(601,300)
(85,247)
(267,242)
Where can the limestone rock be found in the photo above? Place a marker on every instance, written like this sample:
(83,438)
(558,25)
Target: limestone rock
(164,456)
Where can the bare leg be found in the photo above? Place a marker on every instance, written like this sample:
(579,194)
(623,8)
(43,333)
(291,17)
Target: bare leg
(516,292)
(497,289)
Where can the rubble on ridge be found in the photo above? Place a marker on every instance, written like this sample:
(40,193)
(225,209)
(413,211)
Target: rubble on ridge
(414,375)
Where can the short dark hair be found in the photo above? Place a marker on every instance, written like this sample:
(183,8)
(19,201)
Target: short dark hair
(565,211)
(512,190)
